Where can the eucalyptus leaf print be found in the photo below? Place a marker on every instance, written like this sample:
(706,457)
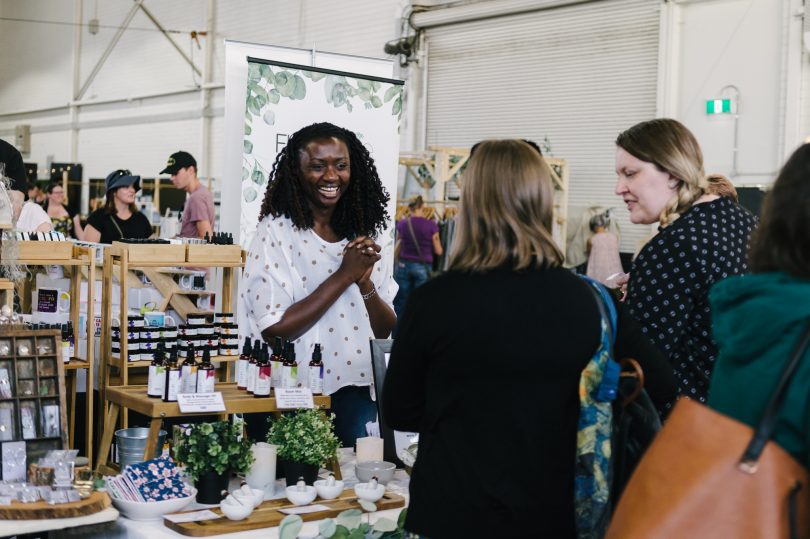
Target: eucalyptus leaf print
(259,174)
(250,194)
(248,147)
(269,117)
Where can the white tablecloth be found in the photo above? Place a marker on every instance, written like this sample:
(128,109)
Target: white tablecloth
(131,529)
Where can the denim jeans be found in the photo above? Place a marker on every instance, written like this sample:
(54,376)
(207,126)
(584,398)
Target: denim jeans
(353,408)
(408,275)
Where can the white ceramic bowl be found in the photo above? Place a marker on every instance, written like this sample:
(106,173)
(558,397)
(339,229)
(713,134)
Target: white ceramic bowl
(256,497)
(328,492)
(152,510)
(382,470)
(301,497)
(364,492)
(234,510)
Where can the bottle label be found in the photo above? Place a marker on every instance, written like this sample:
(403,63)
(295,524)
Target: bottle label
(206,380)
(173,385)
(188,377)
(157,381)
(251,377)
(241,373)
(316,379)
(289,378)
(276,373)
(66,352)
(263,381)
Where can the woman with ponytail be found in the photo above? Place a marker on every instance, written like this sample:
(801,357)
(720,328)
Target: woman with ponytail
(702,238)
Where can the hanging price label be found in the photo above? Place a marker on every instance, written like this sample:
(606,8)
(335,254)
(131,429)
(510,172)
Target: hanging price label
(294,398)
(200,402)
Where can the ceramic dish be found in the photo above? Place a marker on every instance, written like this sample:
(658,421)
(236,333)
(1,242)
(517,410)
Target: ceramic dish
(328,492)
(152,510)
(382,470)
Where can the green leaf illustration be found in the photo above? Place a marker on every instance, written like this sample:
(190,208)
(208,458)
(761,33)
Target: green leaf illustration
(273,96)
(364,84)
(282,83)
(269,117)
(254,72)
(248,129)
(245,173)
(248,146)
(253,106)
(315,76)
(391,93)
(265,71)
(368,106)
(261,101)
(258,175)
(300,88)
(397,107)
(376,102)
(250,194)
(349,107)
(364,94)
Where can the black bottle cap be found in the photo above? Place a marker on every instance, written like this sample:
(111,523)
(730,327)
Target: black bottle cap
(316,353)
(246,347)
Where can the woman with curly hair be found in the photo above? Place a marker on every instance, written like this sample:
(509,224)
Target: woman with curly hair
(702,238)
(315,274)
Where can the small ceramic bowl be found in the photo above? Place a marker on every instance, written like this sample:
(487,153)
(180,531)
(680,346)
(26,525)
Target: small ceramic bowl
(301,497)
(328,492)
(256,496)
(369,493)
(382,470)
(235,510)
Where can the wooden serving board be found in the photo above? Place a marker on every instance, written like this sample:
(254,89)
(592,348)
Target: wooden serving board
(267,515)
(98,501)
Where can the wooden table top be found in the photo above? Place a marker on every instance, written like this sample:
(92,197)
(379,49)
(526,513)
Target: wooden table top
(237,401)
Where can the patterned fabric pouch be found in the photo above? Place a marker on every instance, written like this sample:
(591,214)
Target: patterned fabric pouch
(157,479)
(598,387)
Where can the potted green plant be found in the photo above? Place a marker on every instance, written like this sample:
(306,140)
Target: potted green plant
(210,452)
(306,441)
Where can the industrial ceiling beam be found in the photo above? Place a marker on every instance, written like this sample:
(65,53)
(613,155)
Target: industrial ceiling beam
(165,33)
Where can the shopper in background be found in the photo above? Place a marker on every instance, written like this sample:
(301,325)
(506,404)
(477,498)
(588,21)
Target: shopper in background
(30,217)
(314,272)
(603,250)
(487,362)
(702,239)
(63,220)
(119,218)
(13,167)
(757,319)
(721,186)
(417,242)
(36,194)
(198,212)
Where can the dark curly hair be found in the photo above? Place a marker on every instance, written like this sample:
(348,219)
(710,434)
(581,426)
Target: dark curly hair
(362,208)
(781,242)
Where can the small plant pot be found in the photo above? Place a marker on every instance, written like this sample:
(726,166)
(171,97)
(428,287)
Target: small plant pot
(210,487)
(293,470)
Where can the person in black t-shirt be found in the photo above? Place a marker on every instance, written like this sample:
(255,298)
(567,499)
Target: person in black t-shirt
(14,168)
(119,218)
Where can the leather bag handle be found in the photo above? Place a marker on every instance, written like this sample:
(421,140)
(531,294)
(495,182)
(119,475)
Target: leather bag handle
(762,434)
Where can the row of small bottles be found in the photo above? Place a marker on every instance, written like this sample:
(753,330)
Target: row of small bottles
(257,371)
(167,378)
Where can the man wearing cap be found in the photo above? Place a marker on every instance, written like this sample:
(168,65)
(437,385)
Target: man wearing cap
(198,213)
(120,217)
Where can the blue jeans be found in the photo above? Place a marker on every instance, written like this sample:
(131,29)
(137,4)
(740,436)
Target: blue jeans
(408,275)
(353,408)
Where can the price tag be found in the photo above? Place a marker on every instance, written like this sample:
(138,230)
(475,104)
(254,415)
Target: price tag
(193,516)
(294,398)
(200,402)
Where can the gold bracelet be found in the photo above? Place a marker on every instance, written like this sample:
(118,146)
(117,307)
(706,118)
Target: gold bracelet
(370,295)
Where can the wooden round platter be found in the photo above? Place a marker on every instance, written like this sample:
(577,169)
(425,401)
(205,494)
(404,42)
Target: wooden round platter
(98,501)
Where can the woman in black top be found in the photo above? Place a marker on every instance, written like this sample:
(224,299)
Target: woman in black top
(487,362)
(119,218)
(702,239)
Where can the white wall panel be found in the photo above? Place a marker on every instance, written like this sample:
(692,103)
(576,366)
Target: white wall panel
(577,75)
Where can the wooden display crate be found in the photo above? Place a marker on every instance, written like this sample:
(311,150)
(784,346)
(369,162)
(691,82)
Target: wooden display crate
(152,252)
(55,251)
(214,254)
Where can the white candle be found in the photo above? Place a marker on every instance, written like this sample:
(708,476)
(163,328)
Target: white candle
(262,473)
(369,448)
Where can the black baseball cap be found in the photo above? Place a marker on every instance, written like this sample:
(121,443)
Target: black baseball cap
(122,178)
(179,160)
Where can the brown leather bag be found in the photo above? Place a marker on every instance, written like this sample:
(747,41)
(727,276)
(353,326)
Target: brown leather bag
(707,476)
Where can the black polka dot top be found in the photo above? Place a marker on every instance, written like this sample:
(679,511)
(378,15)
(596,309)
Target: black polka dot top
(669,285)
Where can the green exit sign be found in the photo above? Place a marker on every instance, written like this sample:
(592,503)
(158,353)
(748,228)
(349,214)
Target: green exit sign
(719,106)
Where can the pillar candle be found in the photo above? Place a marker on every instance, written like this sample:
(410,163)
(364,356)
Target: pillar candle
(369,448)
(262,473)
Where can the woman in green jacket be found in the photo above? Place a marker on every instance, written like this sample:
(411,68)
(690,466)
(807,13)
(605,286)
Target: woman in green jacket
(757,319)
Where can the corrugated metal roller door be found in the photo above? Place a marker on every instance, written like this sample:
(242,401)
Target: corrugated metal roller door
(578,75)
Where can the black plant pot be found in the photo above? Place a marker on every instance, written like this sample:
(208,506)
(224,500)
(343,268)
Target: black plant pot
(293,470)
(210,487)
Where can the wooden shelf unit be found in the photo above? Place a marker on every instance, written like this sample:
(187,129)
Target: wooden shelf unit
(78,258)
(117,260)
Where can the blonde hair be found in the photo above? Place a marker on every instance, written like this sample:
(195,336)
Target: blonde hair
(721,186)
(506,210)
(673,149)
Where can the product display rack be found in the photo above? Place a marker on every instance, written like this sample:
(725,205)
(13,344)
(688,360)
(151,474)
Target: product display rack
(157,260)
(35,379)
(76,258)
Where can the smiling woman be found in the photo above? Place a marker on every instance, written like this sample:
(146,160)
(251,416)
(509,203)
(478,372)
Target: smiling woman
(702,239)
(315,273)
